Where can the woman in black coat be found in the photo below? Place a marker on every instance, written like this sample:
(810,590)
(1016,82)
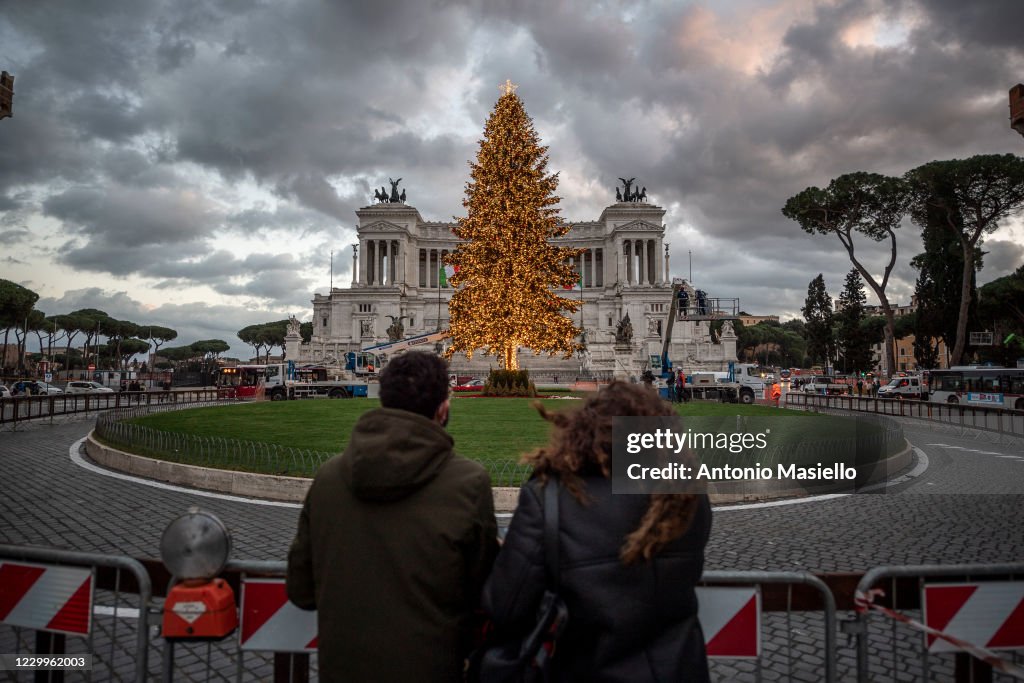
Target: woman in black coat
(628,564)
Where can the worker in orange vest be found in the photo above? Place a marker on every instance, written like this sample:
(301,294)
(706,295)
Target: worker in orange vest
(776,393)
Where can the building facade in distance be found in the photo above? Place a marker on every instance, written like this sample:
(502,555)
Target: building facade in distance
(397,292)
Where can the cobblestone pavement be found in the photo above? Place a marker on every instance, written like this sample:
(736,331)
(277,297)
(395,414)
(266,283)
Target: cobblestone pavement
(47,500)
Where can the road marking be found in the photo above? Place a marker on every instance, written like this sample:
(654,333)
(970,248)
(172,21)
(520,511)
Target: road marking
(77,458)
(122,612)
(972,450)
(919,468)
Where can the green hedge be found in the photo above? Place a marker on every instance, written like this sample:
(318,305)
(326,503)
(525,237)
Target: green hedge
(509,383)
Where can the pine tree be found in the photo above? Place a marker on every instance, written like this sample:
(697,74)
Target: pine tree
(506,267)
(855,345)
(940,268)
(817,312)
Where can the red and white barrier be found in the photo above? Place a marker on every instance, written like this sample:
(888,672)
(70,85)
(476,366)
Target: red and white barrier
(731,621)
(988,614)
(271,623)
(46,597)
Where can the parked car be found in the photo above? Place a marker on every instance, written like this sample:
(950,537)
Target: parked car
(87,387)
(472,385)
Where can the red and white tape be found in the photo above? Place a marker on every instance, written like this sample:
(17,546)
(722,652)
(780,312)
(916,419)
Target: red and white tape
(866,601)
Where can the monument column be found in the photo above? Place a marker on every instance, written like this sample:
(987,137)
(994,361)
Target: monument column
(627,259)
(355,263)
(665,277)
(362,262)
(642,249)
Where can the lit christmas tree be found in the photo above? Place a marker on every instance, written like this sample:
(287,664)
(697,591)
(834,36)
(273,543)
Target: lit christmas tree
(506,269)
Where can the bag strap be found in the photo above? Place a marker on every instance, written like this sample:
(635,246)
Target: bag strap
(551,531)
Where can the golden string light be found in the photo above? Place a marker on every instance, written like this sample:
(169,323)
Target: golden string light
(508,271)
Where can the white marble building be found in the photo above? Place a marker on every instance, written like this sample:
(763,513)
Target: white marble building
(625,270)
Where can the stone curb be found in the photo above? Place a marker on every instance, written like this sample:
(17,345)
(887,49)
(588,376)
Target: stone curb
(293,489)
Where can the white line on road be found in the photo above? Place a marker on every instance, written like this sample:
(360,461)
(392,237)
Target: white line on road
(77,458)
(922,465)
(122,612)
(972,450)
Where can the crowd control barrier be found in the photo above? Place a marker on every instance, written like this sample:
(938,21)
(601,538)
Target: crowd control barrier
(17,409)
(733,624)
(973,614)
(912,622)
(67,610)
(1001,421)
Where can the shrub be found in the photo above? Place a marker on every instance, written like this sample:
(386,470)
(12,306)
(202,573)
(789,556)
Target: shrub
(509,383)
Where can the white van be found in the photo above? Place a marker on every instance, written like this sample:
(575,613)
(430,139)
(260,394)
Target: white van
(904,387)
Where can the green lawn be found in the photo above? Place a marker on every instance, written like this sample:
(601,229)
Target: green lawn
(483,428)
(294,437)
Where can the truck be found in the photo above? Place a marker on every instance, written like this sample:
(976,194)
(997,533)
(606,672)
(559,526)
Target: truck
(286,381)
(824,385)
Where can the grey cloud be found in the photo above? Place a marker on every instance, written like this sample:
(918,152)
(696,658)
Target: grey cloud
(192,321)
(14,236)
(125,110)
(131,217)
(172,53)
(1002,257)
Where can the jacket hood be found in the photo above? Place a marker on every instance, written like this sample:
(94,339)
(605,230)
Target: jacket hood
(393,453)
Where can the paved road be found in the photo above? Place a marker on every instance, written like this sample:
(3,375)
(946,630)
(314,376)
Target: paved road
(46,499)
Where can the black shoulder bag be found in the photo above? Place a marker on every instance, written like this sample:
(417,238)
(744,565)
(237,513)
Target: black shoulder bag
(528,660)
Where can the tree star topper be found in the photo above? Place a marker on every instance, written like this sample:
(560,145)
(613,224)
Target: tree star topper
(508,87)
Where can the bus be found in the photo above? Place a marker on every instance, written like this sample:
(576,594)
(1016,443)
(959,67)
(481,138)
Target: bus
(978,386)
(241,381)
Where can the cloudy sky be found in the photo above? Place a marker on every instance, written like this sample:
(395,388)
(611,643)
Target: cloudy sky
(192,163)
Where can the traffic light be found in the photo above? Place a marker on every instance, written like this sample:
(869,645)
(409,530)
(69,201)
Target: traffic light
(6,95)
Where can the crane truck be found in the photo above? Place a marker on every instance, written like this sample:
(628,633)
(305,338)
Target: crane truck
(355,378)
(742,383)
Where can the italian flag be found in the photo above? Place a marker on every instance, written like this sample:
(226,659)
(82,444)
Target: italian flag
(446,272)
(578,287)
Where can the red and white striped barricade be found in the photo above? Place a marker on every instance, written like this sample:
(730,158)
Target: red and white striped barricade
(271,623)
(731,621)
(46,597)
(987,614)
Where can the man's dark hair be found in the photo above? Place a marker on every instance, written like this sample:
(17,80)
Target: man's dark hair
(416,381)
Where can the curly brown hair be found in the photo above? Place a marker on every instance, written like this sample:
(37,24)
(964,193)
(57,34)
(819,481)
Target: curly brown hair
(581,444)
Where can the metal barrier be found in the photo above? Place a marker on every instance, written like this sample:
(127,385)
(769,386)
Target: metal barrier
(33,592)
(1002,421)
(113,429)
(904,592)
(279,642)
(819,600)
(245,654)
(22,408)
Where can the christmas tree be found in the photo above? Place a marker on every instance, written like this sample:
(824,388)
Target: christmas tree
(506,270)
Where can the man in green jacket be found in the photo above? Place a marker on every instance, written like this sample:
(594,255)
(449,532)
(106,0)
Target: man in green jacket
(395,539)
